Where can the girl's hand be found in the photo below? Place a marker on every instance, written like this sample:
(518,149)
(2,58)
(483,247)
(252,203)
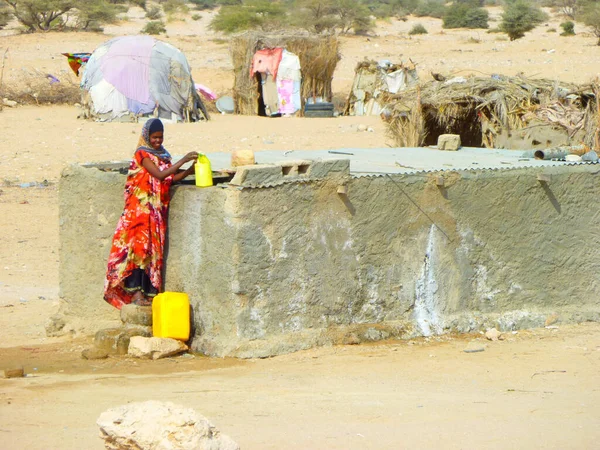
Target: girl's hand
(191,156)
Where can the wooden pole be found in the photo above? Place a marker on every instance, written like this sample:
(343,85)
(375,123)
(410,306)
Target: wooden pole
(1,78)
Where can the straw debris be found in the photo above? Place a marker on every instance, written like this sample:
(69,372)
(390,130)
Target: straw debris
(494,112)
(318,56)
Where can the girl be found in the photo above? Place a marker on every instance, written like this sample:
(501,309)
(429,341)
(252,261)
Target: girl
(135,262)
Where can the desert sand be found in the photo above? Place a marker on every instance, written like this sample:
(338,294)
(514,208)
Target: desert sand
(535,389)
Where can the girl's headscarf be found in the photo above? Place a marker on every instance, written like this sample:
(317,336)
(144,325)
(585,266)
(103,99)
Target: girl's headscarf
(152,126)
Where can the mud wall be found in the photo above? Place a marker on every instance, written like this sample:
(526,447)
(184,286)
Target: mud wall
(279,267)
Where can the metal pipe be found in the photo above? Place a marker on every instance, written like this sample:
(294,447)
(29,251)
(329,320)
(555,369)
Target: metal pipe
(550,154)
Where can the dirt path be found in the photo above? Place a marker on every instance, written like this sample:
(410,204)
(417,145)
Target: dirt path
(537,389)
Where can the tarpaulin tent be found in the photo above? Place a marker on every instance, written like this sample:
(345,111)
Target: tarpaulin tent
(134,76)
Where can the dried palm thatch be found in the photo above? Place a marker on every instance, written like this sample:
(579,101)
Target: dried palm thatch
(318,56)
(490,111)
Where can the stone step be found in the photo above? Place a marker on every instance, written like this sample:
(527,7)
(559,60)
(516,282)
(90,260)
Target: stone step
(137,315)
(115,341)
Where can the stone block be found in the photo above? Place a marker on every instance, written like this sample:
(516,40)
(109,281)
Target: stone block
(136,315)
(257,175)
(94,353)
(115,341)
(449,142)
(155,348)
(329,168)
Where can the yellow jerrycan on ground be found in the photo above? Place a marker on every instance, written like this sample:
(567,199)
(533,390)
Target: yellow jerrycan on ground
(171,316)
(203,171)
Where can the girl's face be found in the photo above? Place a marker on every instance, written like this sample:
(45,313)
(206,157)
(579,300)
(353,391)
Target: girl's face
(156,139)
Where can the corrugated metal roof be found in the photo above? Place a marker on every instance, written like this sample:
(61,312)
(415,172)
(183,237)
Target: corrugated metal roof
(381,161)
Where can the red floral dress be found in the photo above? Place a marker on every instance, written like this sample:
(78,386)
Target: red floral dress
(138,242)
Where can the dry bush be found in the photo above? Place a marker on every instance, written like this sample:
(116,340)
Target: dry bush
(31,89)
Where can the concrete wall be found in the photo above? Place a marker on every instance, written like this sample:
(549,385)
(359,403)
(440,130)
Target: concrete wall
(291,265)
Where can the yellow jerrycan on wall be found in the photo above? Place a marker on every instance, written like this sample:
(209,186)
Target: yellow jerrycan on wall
(203,171)
(171,316)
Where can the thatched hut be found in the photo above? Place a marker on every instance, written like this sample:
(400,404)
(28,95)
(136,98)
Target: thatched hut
(318,56)
(375,83)
(495,112)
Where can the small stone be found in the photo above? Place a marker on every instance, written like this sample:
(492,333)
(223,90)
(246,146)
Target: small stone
(361,127)
(492,334)
(136,315)
(474,347)
(55,326)
(370,129)
(94,353)
(449,142)
(573,158)
(154,347)
(9,103)
(16,372)
(551,319)
(351,339)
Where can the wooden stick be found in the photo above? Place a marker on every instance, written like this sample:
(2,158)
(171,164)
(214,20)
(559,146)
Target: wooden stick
(1,77)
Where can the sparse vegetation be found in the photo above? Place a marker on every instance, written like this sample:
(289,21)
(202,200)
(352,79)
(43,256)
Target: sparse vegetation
(196,16)
(590,15)
(568,28)
(154,27)
(154,12)
(417,29)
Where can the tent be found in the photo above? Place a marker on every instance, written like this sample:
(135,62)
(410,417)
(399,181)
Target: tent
(133,76)
(375,84)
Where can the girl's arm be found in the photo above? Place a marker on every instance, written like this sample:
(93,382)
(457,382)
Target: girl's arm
(173,170)
(184,173)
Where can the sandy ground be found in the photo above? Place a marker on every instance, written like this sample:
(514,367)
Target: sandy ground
(536,389)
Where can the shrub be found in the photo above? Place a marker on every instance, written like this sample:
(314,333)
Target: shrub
(196,17)
(568,28)
(417,29)
(204,4)
(154,27)
(140,3)
(154,12)
(551,30)
(5,16)
(463,15)
(520,17)
(431,8)
(174,6)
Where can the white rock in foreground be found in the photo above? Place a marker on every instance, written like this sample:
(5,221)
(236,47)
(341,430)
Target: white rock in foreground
(155,348)
(155,425)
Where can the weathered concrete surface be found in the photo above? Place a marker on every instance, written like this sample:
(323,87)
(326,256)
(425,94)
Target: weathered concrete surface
(276,269)
(90,204)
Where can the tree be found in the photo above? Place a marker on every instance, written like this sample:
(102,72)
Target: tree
(351,14)
(93,13)
(465,15)
(46,15)
(590,15)
(520,17)
(5,16)
(568,7)
(40,15)
(251,14)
